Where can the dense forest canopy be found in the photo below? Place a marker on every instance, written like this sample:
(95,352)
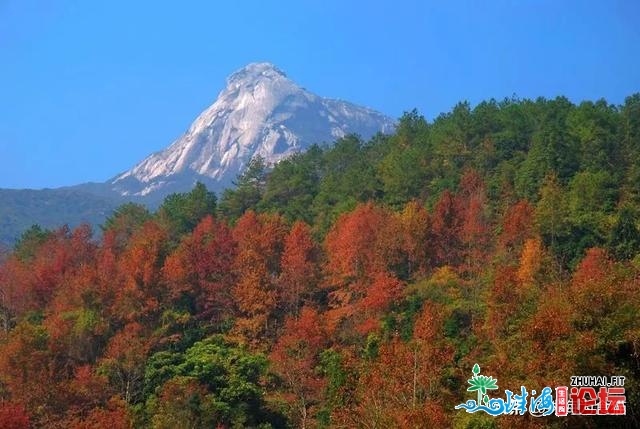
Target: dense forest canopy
(354,285)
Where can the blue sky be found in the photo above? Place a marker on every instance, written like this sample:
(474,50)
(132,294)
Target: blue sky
(87,89)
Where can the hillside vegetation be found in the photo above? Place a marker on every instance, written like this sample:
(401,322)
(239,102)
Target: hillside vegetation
(352,286)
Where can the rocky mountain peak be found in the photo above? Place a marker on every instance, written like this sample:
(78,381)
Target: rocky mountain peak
(260,112)
(254,72)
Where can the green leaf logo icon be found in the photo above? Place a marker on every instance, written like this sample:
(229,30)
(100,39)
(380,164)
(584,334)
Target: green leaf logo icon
(481,383)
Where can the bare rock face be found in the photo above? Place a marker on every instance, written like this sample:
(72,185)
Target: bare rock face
(259,112)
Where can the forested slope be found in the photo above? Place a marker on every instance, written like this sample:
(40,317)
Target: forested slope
(351,286)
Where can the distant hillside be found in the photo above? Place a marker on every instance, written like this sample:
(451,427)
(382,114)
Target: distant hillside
(50,208)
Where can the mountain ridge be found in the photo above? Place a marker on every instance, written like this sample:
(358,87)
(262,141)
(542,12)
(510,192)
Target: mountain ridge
(261,112)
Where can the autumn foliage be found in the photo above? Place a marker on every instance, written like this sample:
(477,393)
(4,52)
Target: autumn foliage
(374,322)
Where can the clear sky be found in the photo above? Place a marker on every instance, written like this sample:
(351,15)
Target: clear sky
(89,88)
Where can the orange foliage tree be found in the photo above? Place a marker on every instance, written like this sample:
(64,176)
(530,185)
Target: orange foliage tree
(199,273)
(359,269)
(413,225)
(260,240)
(296,357)
(142,290)
(13,416)
(300,270)
(445,231)
(471,206)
